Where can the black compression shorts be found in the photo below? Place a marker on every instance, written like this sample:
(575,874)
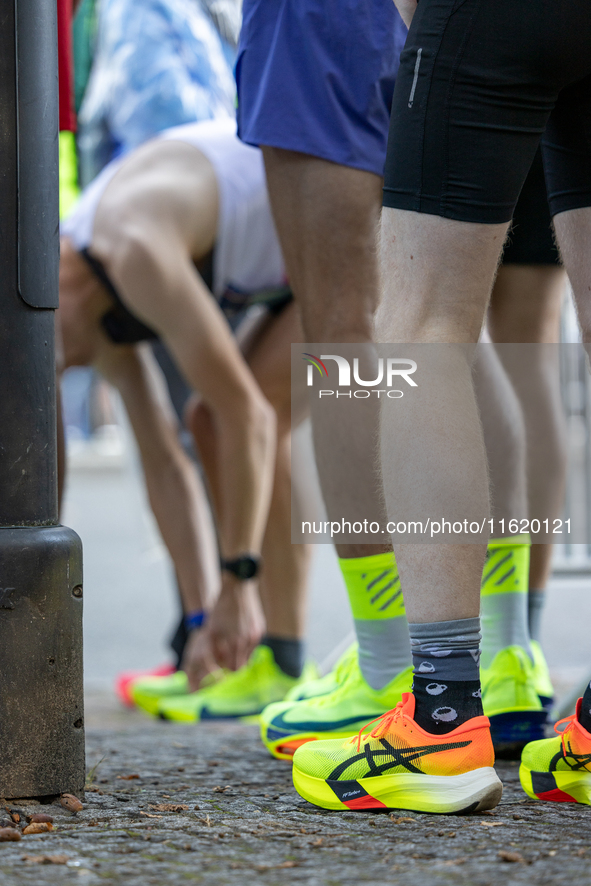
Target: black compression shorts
(531,236)
(480,81)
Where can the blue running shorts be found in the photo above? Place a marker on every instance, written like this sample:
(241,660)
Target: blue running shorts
(317,77)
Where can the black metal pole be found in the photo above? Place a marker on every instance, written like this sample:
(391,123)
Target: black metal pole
(41,693)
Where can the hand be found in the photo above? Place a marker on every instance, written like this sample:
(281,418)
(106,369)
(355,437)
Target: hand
(236,623)
(407,9)
(198,658)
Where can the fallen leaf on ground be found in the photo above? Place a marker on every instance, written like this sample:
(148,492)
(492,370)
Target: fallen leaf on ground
(168,807)
(318,842)
(9,834)
(219,790)
(127,777)
(71,803)
(45,859)
(149,815)
(400,820)
(39,816)
(491,824)
(91,788)
(511,856)
(38,827)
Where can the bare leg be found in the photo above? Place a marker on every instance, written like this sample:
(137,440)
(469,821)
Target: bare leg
(504,437)
(327,217)
(573,230)
(525,307)
(437,277)
(283,584)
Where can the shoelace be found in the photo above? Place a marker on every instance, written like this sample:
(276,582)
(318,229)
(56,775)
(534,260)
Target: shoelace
(568,721)
(384,721)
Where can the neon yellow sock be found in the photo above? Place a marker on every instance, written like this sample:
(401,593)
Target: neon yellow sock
(503,602)
(377,605)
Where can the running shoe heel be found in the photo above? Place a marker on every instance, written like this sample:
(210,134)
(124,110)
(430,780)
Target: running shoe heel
(557,787)
(511,731)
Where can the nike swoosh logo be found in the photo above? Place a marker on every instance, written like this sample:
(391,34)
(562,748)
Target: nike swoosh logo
(206,714)
(289,728)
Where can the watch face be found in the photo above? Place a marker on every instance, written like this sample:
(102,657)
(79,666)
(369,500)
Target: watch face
(246,568)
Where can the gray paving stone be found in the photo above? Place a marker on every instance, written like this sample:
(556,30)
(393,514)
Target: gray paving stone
(244,823)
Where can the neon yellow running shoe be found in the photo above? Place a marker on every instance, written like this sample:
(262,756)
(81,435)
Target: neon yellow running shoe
(146,692)
(323,685)
(241,693)
(542,679)
(559,769)
(398,765)
(343,712)
(510,700)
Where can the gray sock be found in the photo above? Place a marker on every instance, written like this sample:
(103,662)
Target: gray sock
(504,623)
(383,649)
(535,607)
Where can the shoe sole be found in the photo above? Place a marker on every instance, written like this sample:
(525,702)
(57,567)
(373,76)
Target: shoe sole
(512,730)
(200,718)
(472,791)
(147,703)
(285,748)
(557,787)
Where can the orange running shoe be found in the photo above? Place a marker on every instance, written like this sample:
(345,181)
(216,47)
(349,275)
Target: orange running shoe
(559,769)
(400,766)
(123,681)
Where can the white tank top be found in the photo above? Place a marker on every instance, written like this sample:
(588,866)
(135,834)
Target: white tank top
(247,255)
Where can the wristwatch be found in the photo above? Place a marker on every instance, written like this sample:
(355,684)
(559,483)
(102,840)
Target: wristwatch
(243,567)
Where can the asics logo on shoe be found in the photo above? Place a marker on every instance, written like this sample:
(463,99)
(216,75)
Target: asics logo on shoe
(579,761)
(397,757)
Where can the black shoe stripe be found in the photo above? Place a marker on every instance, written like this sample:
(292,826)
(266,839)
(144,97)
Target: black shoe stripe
(400,757)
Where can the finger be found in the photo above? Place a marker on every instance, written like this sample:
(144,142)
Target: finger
(223,654)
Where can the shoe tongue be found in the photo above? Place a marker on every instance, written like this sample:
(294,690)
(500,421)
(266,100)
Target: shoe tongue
(408,704)
(578,712)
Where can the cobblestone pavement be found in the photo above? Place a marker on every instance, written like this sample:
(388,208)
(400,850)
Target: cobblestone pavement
(181,804)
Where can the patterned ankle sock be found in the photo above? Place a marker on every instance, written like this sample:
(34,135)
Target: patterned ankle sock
(503,597)
(446,676)
(376,602)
